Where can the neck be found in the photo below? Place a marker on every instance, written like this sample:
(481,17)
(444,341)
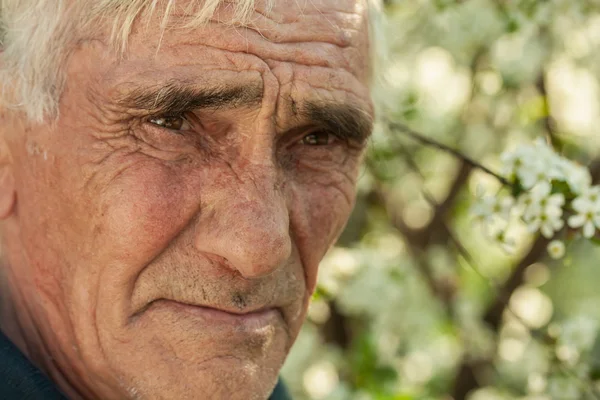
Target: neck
(9,317)
(18,324)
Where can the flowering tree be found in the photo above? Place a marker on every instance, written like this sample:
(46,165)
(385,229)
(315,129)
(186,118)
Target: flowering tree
(468,267)
(545,188)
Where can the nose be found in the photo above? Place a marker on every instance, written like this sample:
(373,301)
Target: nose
(248,225)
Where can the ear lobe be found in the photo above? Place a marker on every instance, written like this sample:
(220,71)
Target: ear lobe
(7,191)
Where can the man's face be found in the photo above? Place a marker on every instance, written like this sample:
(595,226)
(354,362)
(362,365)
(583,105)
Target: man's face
(168,228)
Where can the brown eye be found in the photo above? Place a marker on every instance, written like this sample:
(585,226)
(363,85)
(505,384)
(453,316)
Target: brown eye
(317,139)
(177,123)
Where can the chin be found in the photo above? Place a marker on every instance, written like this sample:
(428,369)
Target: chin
(221,378)
(182,364)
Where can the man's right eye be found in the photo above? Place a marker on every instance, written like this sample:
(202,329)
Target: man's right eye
(173,123)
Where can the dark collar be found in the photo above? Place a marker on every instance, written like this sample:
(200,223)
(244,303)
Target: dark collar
(20,379)
(280,392)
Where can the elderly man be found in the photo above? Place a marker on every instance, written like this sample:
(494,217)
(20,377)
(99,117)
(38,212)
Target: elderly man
(171,174)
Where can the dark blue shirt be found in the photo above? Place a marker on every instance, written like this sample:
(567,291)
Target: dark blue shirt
(21,380)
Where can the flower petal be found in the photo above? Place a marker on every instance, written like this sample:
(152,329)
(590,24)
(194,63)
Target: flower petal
(556,200)
(553,212)
(589,229)
(581,204)
(547,231)
(576,221)
(557,224)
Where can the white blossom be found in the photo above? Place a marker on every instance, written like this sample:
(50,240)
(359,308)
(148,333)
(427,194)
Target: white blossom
(539,164)
(589,198)
(508,244)
(556,249)
(587,208)
(549,183)
(576,176)
(538,170)
(487,208)
(547,224)
(542,210)
(515,161)
(539,199)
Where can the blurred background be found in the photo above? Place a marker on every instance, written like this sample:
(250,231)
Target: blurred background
(414,302)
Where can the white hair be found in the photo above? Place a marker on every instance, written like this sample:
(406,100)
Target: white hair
(37,36)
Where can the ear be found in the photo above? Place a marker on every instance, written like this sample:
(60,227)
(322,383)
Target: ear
(8,193)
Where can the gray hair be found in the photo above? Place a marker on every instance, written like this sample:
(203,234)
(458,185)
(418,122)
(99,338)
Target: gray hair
(37,37)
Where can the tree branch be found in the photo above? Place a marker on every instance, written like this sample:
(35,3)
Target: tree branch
(548,120)
(444,291)
(419,240)
(336,330)
(399,127)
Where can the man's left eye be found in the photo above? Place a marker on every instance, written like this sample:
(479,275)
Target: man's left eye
(318,139)
(175,123)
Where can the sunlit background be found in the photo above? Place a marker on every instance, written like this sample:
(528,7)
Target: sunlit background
(415,302)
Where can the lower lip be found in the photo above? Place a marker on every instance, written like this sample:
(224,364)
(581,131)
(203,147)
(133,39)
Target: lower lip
(255,321)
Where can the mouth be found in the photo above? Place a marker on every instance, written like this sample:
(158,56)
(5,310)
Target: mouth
(217,317)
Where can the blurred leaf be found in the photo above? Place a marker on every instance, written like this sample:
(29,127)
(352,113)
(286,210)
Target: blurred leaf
(595,360)
(321,294)
(366,370)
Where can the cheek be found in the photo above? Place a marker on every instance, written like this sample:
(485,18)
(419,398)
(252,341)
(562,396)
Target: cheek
(145,209)
(318,215)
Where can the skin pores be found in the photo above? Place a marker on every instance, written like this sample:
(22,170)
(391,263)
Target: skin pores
(165,233)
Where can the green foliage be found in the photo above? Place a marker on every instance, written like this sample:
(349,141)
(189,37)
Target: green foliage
(365,369)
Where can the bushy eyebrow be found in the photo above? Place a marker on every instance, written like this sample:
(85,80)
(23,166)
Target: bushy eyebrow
(176,98)
(345,120)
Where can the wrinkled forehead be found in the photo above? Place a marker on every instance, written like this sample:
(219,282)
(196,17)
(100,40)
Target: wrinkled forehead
(340,27)
(338,22)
